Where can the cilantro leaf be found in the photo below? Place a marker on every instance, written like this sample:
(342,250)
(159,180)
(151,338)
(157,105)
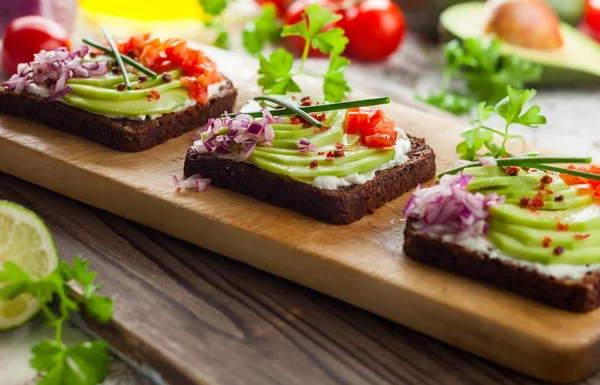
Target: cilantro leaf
(330,41)
(276,73)
(475,137)
(335,85)
(213,7)
(511,106)
(222,40)
(83,364)
(448,101)
(13,281)
(266,28)
(488,72)
(310,28)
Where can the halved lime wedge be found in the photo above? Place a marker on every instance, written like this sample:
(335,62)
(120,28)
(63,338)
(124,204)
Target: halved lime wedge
(25,240)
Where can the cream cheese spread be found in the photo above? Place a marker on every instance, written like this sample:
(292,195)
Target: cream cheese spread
(402,147)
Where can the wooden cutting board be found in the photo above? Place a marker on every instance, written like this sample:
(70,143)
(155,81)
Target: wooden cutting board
(361,263)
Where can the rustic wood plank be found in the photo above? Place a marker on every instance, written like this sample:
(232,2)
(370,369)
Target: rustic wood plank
(337,260)
(240,325)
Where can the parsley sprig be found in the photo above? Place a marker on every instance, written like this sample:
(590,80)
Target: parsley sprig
(486,72)
(510,109)
(59,364)
(277,74)
(266,28)
(214,9)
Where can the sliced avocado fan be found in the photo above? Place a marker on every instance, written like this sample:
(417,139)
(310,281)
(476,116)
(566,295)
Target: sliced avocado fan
(576,62)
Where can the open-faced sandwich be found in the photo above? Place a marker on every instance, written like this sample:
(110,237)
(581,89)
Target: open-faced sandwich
(526,228)
(150,92)
(335,162)
(521,222)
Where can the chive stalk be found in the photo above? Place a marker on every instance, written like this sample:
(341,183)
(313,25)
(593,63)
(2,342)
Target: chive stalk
(322,107)
(290,106)
(125,58)
(117,56)
(537,162)
(528,161)
(582,174)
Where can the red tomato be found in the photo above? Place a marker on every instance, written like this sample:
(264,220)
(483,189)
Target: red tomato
(591,23)
(375,29)
(294,14)
(28,35)
(375,128)
(281,5)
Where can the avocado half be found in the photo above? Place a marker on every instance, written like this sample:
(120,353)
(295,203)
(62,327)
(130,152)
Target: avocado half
(576,62)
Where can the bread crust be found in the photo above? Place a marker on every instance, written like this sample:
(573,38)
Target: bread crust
(341,206)
(120,134)
(577,295)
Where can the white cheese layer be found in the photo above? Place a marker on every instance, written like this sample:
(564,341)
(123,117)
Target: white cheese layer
(402,147)
(560,271)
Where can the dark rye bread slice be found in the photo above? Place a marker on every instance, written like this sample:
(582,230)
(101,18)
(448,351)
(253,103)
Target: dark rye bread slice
(341,206)
(578,295)
(119,134)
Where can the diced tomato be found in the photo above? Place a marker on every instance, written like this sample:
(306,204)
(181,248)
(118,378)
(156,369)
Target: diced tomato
(161,56)
(589,186)
(379,140)
(375,128)
(357,117)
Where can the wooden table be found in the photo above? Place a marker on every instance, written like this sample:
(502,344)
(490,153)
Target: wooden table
(294,335)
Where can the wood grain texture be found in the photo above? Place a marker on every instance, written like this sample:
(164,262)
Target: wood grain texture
(243,326)
(361,263)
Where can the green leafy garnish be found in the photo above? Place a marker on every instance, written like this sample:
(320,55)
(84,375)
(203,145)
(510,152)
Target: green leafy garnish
(266,28)
(510,109)
(485,71)
(213,7)
(59,364)
(277,75)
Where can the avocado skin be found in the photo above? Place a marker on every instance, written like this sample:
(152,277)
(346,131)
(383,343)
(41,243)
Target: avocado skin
(554,73)
(569,11)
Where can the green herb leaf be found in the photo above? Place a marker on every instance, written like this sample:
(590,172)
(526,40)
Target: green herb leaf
(222,40)
(511,106)
(83,364)
(13,281)
(213,7)
(266,28)
(488,72)
(276,73)
(330,41)
(335,85)
(314,20)
(452,102)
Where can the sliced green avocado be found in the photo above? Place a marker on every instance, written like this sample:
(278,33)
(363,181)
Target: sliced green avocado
(530,236)
(577,219)
(544,255)
(576,62)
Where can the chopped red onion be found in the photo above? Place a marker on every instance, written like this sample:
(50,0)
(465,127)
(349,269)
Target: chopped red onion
(52,69)
(304,145)
(244,133)
(488,161)
(60,93)
(194,182)
(448,208)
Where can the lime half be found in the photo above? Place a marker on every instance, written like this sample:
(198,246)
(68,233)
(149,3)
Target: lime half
(26,241)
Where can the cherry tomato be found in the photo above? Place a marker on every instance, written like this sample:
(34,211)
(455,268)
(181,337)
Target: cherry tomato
(375,29)
(591,23)
(294,14)
(28,35)
(281,5)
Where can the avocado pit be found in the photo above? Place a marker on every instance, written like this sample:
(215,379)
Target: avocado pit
(526,23)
